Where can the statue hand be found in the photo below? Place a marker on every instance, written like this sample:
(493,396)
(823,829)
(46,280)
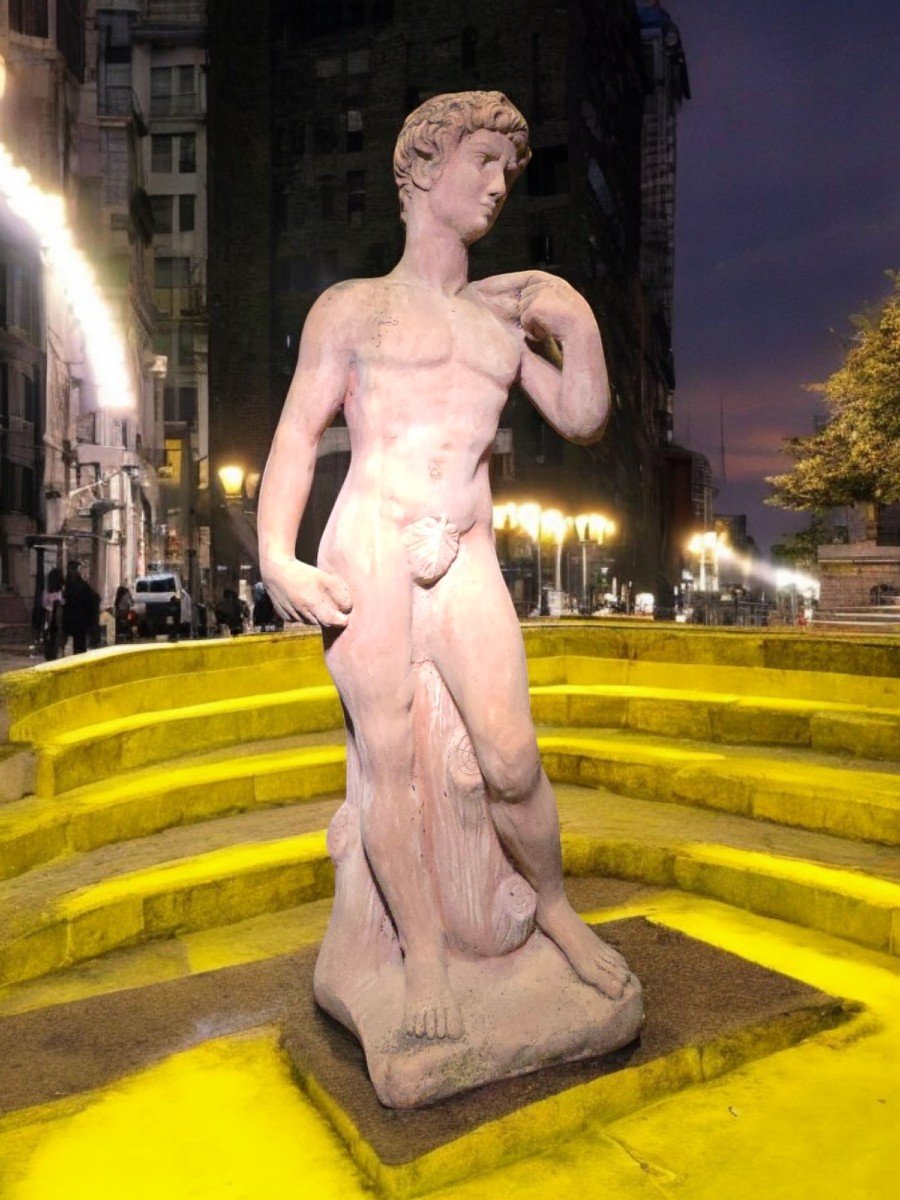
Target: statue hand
(544,306)
(300,592)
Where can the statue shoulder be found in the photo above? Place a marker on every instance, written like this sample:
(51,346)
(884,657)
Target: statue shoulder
(339,308)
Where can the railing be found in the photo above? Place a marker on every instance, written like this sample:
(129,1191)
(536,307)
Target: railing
(176,106)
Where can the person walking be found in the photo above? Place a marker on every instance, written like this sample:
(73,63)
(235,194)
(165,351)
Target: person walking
(81,608)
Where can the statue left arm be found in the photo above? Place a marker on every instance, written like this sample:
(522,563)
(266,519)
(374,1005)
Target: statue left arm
(573,396)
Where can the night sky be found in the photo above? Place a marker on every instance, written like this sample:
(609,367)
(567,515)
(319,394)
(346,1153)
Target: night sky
(788,216)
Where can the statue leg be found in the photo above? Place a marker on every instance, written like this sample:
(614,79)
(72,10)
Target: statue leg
(477,646)
(371,664)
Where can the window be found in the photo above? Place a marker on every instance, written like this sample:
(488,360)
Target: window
(172,90)
(17,494)
(327,68)
(180,405)
(187,154)
(70,34)
(172,280)
(354,130)
(548,171)
(356,197)
(29,17)
(186,214)
(29,398)
(161,153)
(187,403)
(185,345)
(160,90)
(187,92)
(166,148)
(161,207)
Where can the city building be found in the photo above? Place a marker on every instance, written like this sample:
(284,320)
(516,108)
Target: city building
(306,100)
(169,49)
(83,432)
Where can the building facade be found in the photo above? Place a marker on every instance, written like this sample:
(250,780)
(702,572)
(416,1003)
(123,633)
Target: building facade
(306,100)
(105,107)
(72,119)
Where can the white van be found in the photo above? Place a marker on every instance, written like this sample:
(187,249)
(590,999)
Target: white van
(161,605)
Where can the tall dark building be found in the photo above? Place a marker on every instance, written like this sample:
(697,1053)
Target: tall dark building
(306,100)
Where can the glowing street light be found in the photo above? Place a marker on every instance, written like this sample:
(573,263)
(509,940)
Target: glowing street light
(231,477)
(45,213)
(707,545)
(591,527)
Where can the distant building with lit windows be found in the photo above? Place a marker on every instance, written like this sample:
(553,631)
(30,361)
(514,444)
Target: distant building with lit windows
(306,101)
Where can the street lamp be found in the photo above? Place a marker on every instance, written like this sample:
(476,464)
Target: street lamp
(231,478)
(591,527)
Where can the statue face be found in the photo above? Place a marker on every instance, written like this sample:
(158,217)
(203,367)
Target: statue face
(473,184)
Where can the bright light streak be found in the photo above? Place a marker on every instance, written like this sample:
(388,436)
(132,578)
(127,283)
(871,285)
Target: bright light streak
(46,214)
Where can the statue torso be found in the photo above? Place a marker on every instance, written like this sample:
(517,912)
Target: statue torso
(429,377)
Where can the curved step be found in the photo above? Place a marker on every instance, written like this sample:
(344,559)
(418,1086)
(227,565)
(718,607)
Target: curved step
(803,791)
(174,882)
(123,680)
(91,753)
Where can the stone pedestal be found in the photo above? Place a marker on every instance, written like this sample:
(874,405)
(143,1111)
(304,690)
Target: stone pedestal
(523,1006)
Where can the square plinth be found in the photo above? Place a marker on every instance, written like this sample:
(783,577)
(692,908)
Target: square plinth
(707,1012)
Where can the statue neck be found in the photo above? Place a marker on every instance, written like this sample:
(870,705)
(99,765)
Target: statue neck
(434,257)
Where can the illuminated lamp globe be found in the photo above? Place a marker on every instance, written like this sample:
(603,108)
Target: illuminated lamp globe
(232,479)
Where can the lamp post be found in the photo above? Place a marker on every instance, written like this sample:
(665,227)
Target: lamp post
(591,527)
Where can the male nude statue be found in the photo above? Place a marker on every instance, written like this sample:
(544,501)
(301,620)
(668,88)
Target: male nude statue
(421,362)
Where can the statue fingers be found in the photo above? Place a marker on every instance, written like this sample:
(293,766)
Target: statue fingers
(338,592)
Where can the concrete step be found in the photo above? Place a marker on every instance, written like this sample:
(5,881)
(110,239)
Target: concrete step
(94,752)
(820,724)
(858,800)
(122,680)
(239,867)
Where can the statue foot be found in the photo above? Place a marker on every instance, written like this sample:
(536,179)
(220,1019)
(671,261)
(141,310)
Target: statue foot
(591,959)
(430,1010)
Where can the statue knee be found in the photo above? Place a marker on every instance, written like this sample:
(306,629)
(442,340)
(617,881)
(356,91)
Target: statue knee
(513,772)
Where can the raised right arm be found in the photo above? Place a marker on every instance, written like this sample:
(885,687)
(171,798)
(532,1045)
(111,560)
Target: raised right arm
(300,591)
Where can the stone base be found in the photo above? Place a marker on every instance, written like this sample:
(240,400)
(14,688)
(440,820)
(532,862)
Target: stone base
(708,1012)
(522,1012)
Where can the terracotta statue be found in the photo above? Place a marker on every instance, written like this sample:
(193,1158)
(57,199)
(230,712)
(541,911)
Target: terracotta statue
(452,953)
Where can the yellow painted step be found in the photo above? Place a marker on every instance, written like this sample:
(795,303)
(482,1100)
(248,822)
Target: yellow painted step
(832,686)
(94,752)
(722,717)
(838,888)
(146,802)
(132,671)
(24,693)
(807,793)
(799,791)
(97,752)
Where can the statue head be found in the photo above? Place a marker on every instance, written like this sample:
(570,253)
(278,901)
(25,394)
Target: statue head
(435,129)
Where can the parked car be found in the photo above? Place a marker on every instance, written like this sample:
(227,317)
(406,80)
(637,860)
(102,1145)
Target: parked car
(162,605)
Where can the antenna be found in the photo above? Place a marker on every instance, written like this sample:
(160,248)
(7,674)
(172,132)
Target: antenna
(722,435)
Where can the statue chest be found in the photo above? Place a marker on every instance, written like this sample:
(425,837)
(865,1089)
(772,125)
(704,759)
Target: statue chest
(452,336)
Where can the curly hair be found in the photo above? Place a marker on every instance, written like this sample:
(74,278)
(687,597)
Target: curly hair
(435,129)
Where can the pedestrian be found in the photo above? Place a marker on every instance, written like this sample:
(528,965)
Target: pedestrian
(264,615)
(81,609)
(52,637)
(121,611)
